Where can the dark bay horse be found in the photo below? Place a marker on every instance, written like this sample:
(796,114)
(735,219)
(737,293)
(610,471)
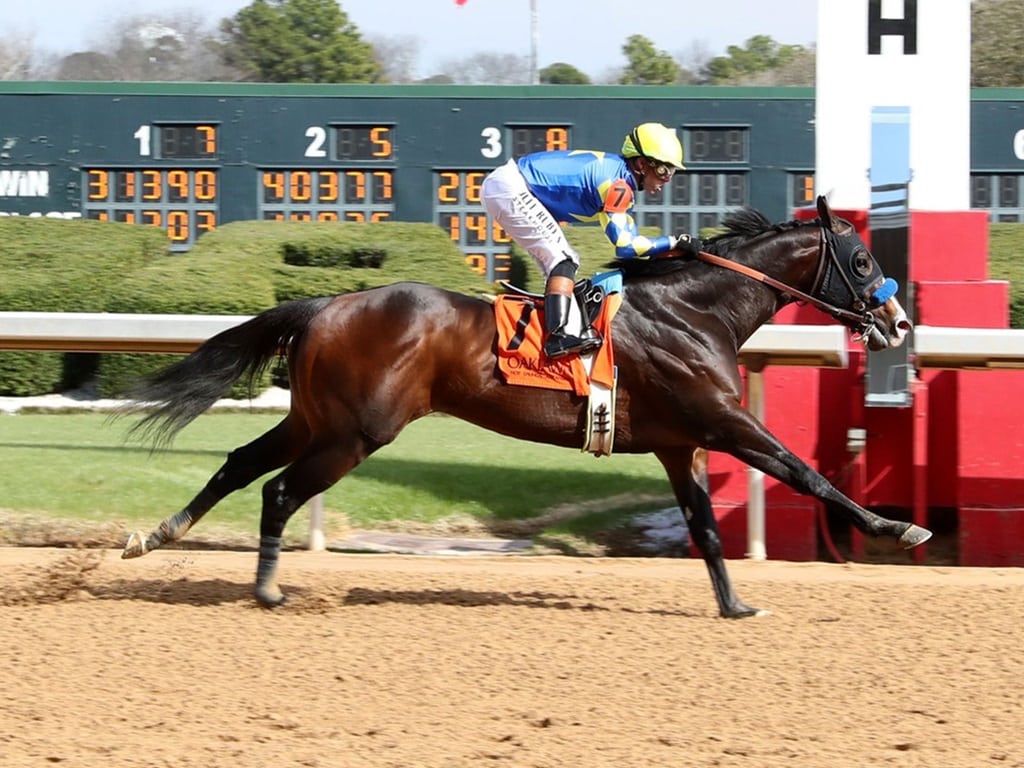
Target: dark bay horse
(363,365)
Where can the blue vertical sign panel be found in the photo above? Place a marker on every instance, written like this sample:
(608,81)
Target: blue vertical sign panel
(888,371)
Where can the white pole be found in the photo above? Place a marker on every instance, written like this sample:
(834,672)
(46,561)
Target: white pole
(534,40)
(317,540)
(755,478)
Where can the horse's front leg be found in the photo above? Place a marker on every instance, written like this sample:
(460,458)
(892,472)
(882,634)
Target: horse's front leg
(749,441)
(687,471)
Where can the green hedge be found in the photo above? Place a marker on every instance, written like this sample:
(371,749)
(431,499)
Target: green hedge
(241,268)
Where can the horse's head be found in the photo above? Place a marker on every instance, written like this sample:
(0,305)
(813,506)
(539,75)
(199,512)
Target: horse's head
(850,280)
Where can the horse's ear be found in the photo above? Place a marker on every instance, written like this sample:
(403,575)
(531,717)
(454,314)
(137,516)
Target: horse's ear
(828,220)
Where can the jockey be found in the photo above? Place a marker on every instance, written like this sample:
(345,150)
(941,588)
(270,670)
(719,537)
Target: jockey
(528,196)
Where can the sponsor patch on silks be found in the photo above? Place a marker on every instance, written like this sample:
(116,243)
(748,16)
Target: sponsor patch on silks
(619,197)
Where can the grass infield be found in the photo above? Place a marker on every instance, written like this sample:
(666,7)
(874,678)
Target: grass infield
(441,474)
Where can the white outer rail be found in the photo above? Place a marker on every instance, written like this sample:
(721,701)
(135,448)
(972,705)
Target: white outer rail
(816,345)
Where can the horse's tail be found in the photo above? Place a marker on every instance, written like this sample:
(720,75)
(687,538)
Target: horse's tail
(177,394)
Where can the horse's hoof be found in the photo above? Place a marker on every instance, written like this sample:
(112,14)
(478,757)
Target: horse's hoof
(135,546)
(744,612)
(913,536)
(270,597)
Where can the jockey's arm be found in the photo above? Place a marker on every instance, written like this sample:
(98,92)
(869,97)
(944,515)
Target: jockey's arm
(629,243)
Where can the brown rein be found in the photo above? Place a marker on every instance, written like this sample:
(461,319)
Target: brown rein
(859,319)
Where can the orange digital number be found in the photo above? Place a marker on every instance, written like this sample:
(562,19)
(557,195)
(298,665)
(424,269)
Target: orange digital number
(125,183)
(151,218)
(381,138)
(327,187)
(477,262)
(300,186)
(502,265)
(556,138)
(209,134)
(206,185)
(327,216)
(808,189)
(152,187)
(357,216)
(448,187)
(380,216)
(477,225)
(473,182)
(355,189)
(498,233)
(451,222)
(381,190)
(177,226)
(177,181)
(206,221)
(273,186)
(99,184)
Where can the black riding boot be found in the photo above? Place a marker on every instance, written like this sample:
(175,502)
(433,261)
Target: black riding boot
(587,332)
(558,343)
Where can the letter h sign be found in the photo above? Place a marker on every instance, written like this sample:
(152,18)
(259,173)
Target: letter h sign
(905,27)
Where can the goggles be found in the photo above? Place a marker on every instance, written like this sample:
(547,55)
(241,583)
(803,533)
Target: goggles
(661,170)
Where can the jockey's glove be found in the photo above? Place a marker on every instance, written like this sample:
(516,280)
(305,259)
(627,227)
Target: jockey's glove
(688,245)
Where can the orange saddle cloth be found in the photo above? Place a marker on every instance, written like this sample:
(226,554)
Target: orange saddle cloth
(521,357)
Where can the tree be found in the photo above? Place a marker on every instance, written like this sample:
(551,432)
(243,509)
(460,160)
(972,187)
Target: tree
(396,57)
(997,43)
(178,47)
(15,57)
(489,69)
(647,66)
(759,54)
(563,74)
(88,65)
(297,41)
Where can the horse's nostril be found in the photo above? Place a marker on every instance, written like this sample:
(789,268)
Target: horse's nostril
(905,325)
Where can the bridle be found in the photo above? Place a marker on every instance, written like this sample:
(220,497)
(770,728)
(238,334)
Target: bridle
(857,317)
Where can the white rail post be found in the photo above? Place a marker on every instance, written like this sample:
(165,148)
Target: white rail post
(317,540)
(755,478)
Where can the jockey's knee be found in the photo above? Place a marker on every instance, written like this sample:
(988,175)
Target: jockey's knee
(565,268)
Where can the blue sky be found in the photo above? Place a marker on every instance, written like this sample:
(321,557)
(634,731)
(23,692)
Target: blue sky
(586,33)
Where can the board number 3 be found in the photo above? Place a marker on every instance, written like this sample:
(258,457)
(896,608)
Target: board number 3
(492,142)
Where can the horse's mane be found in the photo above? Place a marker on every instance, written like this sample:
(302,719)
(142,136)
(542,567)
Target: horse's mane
(738,228)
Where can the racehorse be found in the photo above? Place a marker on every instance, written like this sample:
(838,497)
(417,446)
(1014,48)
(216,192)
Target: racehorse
(363,365)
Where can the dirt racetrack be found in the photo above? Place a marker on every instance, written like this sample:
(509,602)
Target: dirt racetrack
(389,660)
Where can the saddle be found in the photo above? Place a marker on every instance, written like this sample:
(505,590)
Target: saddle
(519,317)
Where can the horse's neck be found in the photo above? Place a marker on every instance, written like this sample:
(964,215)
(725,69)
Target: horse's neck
(788,259)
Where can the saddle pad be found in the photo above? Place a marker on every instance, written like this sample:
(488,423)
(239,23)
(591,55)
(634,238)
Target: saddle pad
(520,341)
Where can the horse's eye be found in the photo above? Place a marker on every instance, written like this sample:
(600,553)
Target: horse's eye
(861,263)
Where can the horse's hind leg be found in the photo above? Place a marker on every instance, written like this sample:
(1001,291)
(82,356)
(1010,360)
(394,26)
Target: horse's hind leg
(688,475)
(320,467)
(270,451)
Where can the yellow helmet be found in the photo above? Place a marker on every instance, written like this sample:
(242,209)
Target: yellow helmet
(655,141)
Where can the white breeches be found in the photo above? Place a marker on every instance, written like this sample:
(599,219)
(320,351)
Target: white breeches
(524,218)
